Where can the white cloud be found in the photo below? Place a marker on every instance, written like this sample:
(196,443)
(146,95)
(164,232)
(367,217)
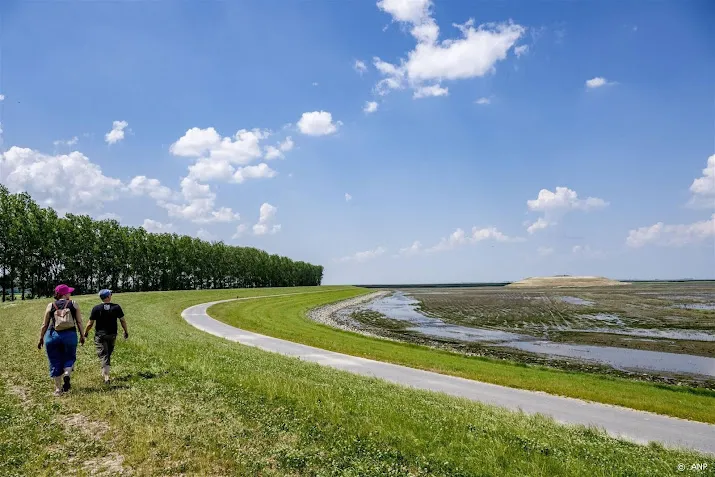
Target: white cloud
(703,188)
(563,198)
(521,50)
(348,197)
(473,55)
(545,251)
(598,82)
(361,257)
(2,97)
(265,219)
(370,107)
(430,90)
(68,142)
(155,226)
(117,132)
(242,148)
(275,152)
(259,171)
(317,123)
(240,230)
(360,66)
(556,204)
(541,223)
(672,235)
(66,182)
(204,234)
(109,216)
(483,101)
(414,249)
(142,185)
(199,205)
(586,251)
(459,238)
(406,11)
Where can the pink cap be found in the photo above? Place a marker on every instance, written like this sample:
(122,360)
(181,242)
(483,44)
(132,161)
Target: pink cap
(63,290)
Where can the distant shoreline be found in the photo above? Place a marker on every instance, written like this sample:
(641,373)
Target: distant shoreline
(502,284)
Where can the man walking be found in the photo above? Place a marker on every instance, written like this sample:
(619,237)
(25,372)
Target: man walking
(105,316)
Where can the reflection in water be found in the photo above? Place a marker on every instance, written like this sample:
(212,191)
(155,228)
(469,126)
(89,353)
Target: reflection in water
(398,306)
(622,358)
(691,335)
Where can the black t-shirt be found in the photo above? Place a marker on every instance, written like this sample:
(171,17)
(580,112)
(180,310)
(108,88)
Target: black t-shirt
(105,316)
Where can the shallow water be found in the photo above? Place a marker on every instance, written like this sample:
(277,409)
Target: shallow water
(696,306)
(691,335)
(615,319)
(621,358)
(574,300)
(399,306)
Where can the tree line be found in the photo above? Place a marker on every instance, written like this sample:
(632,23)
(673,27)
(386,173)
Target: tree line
(38,250)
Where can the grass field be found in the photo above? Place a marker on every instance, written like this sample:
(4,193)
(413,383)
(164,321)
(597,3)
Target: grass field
(186,403)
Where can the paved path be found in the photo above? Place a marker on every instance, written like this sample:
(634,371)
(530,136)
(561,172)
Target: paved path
(621,422)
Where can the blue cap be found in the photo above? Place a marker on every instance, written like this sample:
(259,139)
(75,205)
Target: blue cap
(104,293)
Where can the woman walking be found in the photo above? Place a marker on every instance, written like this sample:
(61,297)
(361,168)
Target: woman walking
(59,336)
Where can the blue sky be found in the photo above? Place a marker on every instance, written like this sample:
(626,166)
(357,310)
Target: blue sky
(481,111)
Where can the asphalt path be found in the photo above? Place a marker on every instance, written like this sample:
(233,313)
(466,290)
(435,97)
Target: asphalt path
(638,426)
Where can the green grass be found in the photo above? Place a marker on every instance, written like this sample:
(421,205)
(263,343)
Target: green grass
(285,318)
(187,403)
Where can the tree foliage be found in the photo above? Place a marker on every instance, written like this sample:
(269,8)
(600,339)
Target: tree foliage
(38,249)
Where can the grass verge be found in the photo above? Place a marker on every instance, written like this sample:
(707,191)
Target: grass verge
(187,403)
(285,318)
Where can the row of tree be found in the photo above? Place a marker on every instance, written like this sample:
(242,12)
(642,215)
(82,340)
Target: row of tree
(38,250)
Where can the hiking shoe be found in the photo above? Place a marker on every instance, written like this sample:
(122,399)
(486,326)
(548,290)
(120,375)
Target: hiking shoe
(67,385)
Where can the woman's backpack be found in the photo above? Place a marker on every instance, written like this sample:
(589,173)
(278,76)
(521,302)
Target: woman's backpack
(63,317)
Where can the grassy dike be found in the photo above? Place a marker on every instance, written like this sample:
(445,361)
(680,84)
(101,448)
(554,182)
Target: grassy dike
(285,318)
(187,403)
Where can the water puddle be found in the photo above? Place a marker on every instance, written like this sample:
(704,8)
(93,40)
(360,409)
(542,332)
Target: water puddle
(696,306)
(690,335)
(399,306)
(574,300)
(622,358)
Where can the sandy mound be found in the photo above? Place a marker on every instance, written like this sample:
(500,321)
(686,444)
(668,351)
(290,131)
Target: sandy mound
(566,281)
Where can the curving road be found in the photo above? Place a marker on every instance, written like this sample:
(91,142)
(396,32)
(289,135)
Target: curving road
(638,426)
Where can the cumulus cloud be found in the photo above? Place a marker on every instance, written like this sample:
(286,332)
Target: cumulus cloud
(430,90)
(541,223)
(240,231)
(360,66)
(555,205)
(253,172)
(598,82)
(117,132)
(317,123)
(483,101)
(66,182)
(472,55)
(204,234)
(672,235)
(66,142)
(276,152)
(144,186)
(241,149)
(155,226)
(370,107)
(414,249)
(361,257)
(199,205)
(459,238)
(265,220)
(348,197)
(703,188)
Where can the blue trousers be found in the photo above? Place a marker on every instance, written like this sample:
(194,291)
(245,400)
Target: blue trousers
(61,347)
